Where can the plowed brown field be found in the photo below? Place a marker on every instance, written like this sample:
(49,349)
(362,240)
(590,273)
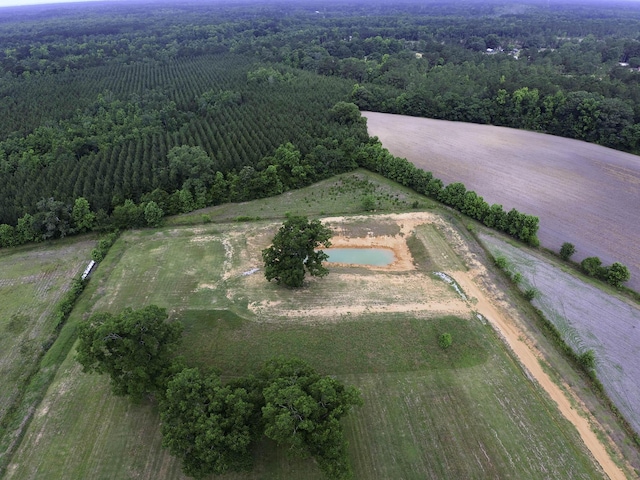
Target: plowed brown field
(583,193)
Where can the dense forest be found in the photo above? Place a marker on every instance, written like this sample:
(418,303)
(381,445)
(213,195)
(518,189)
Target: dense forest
(115,114)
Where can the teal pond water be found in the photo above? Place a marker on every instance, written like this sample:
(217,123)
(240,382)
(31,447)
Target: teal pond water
(378,257)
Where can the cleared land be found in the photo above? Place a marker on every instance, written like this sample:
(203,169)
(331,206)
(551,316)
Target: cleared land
(583,193)
(32,280)
(588,318)
(466,412)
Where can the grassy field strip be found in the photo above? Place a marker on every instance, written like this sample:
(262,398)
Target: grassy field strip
(439,249)
(592,318)
(154,270)
(478,422)
(363,344)
(340,195)
(105,430)
(32,280)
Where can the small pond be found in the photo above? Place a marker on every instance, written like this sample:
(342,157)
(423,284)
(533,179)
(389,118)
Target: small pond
(378,257)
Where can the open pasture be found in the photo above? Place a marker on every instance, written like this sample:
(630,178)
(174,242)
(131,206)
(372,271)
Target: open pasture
(465,412)
(587,318)
(32,280)
(583,193)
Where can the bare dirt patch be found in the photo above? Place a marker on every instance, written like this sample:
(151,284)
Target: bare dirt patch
(583,193)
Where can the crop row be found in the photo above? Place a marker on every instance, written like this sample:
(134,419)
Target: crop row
(115,148)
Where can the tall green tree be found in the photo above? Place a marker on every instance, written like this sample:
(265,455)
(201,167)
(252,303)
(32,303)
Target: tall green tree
(153,214)
(293,170)
(135,348)
(617,274)
(83,218)
(7,236)
(207,425)
(593,267)
(567,250)
(53,219)
(294,251)
(303,410)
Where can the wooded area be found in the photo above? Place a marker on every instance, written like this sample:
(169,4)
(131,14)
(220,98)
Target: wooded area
(183,106)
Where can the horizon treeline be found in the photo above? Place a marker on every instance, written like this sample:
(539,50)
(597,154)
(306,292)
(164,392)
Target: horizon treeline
(94,98)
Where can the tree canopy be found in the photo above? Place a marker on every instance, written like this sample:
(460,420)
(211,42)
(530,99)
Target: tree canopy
(303,410)
(207,425)
(294,251)
(135,348)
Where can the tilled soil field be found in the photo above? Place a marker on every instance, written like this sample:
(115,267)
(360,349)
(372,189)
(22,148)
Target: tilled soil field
(588,319)
(583,193)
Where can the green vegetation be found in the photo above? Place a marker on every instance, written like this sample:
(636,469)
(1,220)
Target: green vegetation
(135,348)
(303,409)
(119,116)
(269,101)
(365,345)
(567,250)
(210,427)
(393,359)
(445,340)
(294,251)
(213,428)
(614,275)
(39,285)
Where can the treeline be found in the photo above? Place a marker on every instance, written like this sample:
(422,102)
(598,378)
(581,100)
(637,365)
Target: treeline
(550,68)
(536,76)
(198,185)
(164,78)
(519,225)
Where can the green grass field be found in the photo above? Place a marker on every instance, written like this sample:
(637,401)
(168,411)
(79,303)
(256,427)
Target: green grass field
(465,412)
(32,279)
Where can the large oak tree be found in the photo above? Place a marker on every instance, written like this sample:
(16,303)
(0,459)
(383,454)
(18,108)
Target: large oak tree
(294,251)
(135,348)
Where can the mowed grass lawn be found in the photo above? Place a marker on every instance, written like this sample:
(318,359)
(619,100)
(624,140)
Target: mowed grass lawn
(467,412)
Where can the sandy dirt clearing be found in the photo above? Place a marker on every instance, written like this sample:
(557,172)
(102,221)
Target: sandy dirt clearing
(583,193)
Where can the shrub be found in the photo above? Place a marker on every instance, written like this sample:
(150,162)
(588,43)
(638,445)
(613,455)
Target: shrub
(592,266)
(368,203)
(587,360)
(501,262)
(445,340)
(517,278)
(567,250)
(617,274)
(530,293)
